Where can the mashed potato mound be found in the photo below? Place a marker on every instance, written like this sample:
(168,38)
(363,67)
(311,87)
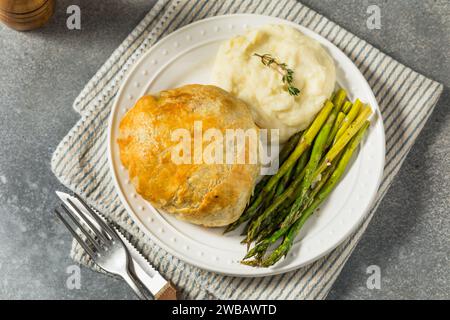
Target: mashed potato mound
(238,71)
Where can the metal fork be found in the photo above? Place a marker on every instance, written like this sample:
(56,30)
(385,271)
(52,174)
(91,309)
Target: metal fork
(102,244)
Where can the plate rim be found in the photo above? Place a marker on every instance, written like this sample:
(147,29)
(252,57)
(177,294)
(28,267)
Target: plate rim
(186,258)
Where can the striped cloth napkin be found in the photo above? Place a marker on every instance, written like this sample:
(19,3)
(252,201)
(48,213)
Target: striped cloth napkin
(406,100)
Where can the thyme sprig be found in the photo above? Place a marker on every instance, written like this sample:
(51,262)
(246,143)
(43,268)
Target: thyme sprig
(282,68)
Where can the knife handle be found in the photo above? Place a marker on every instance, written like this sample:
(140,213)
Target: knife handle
(168,292)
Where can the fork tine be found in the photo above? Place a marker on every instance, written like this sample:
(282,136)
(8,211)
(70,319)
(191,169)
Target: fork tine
(81,227)
(99,220)
(86,219)
(75,235)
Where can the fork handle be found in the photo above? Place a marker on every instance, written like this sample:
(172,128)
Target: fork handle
(134,284)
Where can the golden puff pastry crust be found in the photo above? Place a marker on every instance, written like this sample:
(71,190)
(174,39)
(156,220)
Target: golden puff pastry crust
(205,194)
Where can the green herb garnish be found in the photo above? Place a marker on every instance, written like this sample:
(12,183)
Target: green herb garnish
(282,68)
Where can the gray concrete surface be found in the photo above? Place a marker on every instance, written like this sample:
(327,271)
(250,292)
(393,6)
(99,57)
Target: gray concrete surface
(41,73)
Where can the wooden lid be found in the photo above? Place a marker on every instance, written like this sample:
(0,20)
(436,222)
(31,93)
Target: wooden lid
(21,6)
(28,21)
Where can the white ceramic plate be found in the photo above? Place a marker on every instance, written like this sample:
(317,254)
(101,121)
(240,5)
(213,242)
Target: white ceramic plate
(186,56)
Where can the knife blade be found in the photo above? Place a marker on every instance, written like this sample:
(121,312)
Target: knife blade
(143,270)
(151,278)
